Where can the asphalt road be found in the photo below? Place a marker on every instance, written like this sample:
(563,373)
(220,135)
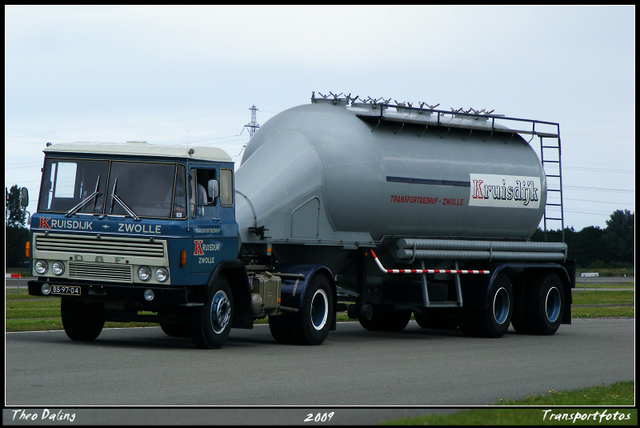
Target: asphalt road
(363,377)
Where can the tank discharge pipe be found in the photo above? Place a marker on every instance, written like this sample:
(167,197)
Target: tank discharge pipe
(422,271)
(481,250)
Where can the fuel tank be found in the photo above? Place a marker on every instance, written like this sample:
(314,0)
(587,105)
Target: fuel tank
(332,173)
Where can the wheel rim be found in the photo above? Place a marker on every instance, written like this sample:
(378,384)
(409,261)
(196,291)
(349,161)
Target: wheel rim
(220,312)
(501,303)
(552,304)
(319,309)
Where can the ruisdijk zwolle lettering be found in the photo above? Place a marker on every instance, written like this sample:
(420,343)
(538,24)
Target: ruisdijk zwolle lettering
(52,223)
(504,191)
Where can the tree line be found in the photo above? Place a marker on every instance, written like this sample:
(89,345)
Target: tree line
(589,247)
(595,247)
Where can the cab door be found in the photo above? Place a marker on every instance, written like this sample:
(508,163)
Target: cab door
(215,232)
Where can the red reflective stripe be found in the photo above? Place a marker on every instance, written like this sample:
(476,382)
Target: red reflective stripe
(422,271)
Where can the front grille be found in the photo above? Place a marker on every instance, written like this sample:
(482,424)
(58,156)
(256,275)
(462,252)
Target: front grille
(100,245)
(100,271)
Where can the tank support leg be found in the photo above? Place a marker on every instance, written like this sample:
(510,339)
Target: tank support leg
(425,291)
(361,275)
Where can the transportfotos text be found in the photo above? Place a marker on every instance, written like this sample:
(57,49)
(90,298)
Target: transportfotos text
(598,416)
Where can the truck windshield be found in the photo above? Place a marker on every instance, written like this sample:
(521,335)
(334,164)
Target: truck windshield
(87,186)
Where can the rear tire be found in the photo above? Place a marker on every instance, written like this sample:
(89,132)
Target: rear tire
(280,327)
(312,324)
(438,318)
(371,317)
(81,321)
(210,324)
(520,319)
(378,318)
(545,304)
(397,320)
(492,321)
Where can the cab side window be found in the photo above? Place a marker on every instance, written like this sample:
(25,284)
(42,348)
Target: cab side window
(226,188)
(199,198)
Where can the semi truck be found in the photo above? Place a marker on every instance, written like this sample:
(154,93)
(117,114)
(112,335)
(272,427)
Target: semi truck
(385,212)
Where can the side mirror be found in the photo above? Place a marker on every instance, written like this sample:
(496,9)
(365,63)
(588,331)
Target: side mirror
(213,189)
(24,197)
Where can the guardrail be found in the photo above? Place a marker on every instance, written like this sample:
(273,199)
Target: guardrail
(589,275)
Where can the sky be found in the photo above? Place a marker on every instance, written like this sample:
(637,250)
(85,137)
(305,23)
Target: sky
(190,74)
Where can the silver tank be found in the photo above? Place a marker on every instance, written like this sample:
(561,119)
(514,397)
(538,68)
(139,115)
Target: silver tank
(332,174)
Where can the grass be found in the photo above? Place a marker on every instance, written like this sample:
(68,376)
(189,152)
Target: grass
(33,313)
(600,304)
(550,409)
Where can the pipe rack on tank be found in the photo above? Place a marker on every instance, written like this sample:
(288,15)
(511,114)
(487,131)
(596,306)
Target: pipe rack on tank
(481,250)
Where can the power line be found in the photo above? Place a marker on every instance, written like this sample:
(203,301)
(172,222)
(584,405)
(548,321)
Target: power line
(599,202)
(600,189)
(580,168)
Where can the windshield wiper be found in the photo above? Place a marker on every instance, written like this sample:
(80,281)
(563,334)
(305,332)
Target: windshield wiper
(117,199)
(92,197)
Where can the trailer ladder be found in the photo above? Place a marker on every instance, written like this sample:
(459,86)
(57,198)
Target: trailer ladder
(551,159)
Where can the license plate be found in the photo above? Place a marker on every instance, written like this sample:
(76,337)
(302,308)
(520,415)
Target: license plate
(70,290)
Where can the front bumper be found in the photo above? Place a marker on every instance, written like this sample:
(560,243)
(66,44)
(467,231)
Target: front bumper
(117,292)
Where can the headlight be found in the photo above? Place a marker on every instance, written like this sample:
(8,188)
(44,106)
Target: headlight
(162,274)
(41,267)
(144,273)
(57,268)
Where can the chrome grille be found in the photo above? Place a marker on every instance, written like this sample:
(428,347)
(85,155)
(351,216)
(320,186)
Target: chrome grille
(100,245)
(100,271)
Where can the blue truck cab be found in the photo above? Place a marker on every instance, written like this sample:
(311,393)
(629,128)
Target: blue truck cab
(132,231)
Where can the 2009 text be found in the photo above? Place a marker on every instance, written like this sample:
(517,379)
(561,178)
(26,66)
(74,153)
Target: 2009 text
(319,417)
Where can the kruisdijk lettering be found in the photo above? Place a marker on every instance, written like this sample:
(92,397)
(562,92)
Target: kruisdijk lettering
(49,223)
(512,191)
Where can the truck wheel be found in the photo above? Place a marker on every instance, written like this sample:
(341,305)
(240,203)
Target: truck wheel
(378,318)
(80,320)
(311,325)
(210,324)
(280,327)
(438,318)
(372,317)
(494,320)
(520,319)
(396,320)
(545,304)
(175,330)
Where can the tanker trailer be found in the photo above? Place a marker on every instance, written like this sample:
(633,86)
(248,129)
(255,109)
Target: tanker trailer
(412,210)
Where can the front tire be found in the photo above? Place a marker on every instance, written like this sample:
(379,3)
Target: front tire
(312,324)
(81,321)
(210,325)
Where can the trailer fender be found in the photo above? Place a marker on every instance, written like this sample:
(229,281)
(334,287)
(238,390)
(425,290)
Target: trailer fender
(293,289)
(474,287)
